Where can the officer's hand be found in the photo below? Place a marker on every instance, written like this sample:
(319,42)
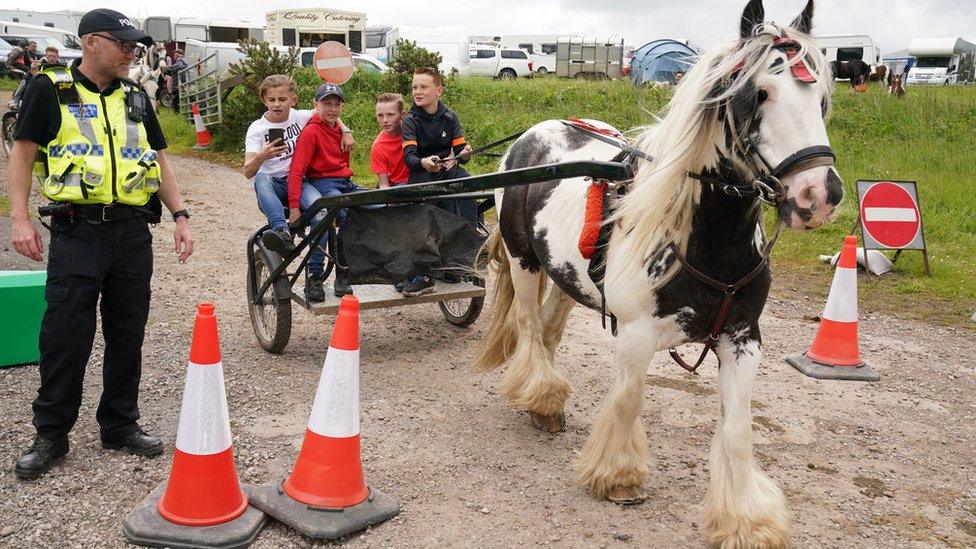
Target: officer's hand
(272,149)
(430,163)
(27,241)
(348,143)
(183,239)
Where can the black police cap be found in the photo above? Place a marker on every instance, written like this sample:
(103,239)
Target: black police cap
(114,23)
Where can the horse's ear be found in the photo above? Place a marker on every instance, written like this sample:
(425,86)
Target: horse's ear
(804,22)
(752,17)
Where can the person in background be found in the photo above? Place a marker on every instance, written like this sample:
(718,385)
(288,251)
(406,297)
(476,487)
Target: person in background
(170,78)
(51,55)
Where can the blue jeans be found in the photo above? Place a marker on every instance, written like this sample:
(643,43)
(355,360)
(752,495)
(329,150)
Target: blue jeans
(312,190)
(272,193)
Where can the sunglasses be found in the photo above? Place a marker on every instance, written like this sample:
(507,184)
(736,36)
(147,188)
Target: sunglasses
(126,47)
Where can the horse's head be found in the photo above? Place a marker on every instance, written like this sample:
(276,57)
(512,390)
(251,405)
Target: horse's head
(772,95)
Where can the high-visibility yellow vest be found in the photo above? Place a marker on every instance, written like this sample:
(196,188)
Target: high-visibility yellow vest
(99,155)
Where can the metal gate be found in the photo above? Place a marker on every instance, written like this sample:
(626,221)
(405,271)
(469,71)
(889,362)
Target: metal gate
(199,83)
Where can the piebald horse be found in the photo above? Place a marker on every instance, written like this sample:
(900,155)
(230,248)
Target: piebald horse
(745,125)
(147,71)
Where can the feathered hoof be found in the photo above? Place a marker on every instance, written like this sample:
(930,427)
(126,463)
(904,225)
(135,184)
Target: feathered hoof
(751,536)
(555,423)
(627,495)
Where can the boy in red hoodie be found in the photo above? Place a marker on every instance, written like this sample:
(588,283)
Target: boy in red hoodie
(319,167)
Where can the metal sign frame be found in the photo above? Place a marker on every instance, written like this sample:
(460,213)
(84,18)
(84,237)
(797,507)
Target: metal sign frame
(868,241)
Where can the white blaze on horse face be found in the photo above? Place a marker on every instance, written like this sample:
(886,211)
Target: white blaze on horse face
(792,120)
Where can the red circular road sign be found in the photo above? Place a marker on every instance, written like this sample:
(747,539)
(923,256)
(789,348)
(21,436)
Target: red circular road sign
(890,215)
(333,62)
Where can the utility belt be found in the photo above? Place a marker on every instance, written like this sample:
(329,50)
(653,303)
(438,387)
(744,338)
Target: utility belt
(97,214)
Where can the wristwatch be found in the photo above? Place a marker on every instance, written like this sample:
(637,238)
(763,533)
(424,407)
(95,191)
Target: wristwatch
(181,213)
(347,130)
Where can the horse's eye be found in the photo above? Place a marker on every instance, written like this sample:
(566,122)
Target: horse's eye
(763,96)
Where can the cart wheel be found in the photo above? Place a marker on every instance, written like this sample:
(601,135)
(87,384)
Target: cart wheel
(271,319)
(463,312)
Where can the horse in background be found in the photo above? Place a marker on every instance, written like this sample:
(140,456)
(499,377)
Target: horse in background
(895,86)
(856,71)
(148,70)
(746,125)
(879,73)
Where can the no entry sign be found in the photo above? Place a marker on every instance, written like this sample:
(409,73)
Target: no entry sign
(333,62)
(891,218)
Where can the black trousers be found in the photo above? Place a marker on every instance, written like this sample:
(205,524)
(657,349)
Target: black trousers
(112,260)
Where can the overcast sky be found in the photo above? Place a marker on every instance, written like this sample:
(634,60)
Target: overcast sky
(892,23)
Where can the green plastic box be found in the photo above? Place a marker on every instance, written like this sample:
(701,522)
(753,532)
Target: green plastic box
(22,307)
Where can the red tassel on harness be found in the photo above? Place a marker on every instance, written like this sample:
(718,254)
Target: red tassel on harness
(593,219)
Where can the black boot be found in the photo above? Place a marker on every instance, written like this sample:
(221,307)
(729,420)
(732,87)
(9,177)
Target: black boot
(341,286)
(39,458)
(313,288)
(138,443)
(279,241)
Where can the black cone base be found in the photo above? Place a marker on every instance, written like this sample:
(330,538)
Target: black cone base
(808,367)
(145,526)
(323,523)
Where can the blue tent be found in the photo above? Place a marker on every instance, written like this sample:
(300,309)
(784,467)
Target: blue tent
(657,61)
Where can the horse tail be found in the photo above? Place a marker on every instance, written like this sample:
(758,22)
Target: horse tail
(498,345)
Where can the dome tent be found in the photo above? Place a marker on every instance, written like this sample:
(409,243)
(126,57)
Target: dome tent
(658,61)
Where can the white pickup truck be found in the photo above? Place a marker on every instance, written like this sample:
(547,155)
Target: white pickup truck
(499,62)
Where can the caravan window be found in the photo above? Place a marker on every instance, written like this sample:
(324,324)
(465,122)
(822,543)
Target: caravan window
(548,49)
(849,54)
(933,62)
(526,47)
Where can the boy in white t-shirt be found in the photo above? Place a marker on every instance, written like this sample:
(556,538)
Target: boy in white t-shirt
(268,160)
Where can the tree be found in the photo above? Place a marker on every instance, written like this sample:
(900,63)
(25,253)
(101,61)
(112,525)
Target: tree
(243,104)
(406,58)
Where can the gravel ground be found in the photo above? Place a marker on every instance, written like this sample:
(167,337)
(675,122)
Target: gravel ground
(867,465)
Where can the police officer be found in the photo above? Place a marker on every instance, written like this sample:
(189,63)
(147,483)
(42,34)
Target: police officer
(97,152)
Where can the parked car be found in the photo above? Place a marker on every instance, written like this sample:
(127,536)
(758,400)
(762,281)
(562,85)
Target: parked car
(361,61)
(499,62)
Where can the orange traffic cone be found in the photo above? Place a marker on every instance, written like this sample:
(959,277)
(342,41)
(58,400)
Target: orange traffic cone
(834,353)
(328,473)
(203,136)
(203,489)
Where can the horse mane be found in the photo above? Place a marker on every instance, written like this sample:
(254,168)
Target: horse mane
(689,137)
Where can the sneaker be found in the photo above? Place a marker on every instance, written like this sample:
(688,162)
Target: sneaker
(313,288)
(399,286)
(277,240)
(419,285)
(450,278)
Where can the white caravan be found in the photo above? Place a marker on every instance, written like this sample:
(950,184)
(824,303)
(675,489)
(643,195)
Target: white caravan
(541,48)
(848,47)
(64,19)
(941,61)
(67,39)
(376,41)
(450,42)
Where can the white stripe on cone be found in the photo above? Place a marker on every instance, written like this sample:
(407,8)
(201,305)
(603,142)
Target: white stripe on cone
(198,122)
(842,299)
(890,214)
(204,422)
(335,412)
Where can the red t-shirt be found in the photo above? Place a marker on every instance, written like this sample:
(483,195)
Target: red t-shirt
(386,156)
